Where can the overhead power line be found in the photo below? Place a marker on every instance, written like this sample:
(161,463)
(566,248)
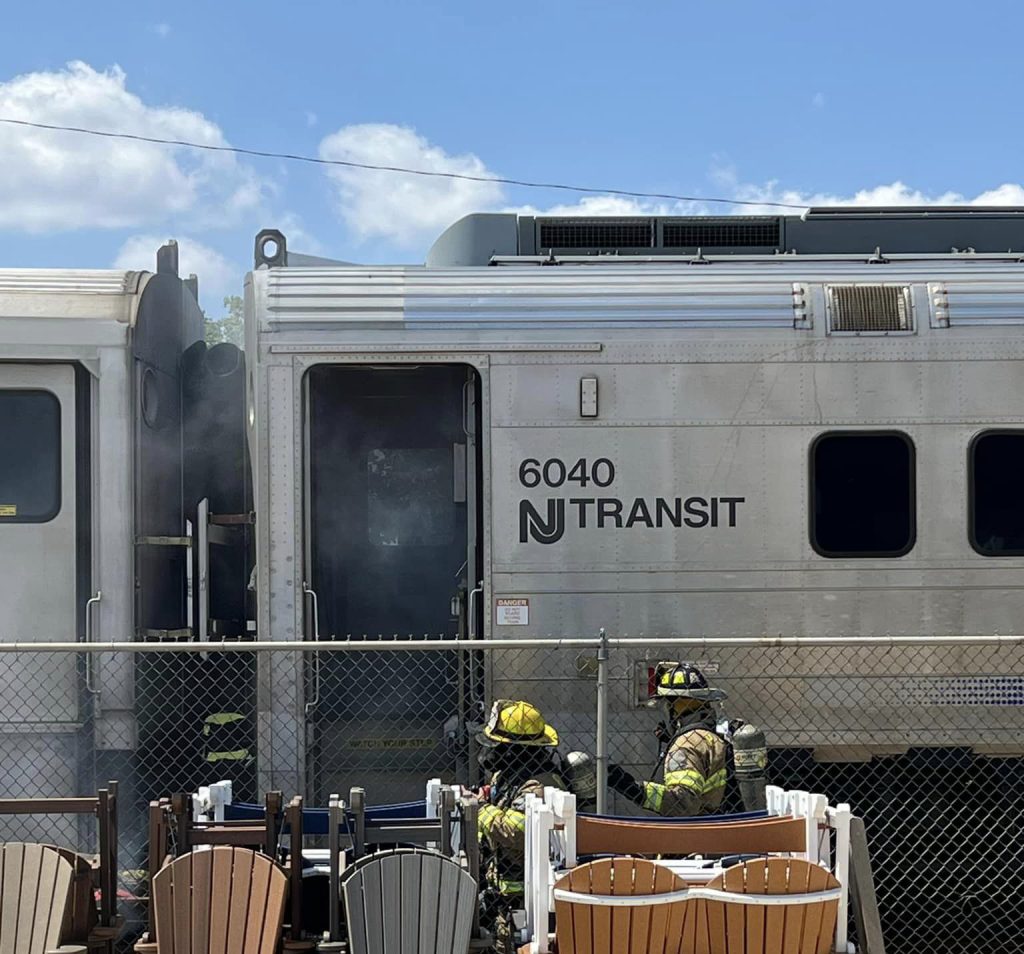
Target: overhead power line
(375,167)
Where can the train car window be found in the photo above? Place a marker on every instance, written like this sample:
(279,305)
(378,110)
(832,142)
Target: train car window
(29,456)
(996,514)
(862,494)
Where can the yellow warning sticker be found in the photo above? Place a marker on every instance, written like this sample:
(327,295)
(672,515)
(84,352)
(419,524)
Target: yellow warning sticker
(410,743)
(8,510)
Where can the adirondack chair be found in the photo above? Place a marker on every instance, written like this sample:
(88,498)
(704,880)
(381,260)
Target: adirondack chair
(85,924)
(621,906)
(797,825)
(780,906)
(35,896)
(408,901)
(221,900)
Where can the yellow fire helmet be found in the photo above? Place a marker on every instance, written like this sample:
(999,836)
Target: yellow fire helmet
(683,680)
(517,722)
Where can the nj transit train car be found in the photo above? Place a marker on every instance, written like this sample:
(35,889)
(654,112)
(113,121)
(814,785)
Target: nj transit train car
(655,426)
(116,439)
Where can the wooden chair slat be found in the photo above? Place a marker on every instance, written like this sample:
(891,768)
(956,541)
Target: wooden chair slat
(623,872)
(777,880)
(664,881)
(391,895)
(238,913)
(259,889)
(465,912)
(792,936)
(355,913)
(817,880)
(8,899)
(582,919)
(277,898)
(698,931)
(27,886)
(735,916)
(181,885)
(640,922)
(221,889)
(202,897)
(601,883)
(430,874)
(374,907)
(46,897)
(678,915)
(162,905)
(757,882)
(409,912)
(448,891)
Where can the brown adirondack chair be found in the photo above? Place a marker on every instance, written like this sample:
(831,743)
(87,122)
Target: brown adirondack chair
(801,919)
(222,900)
(35,896)
(653,920)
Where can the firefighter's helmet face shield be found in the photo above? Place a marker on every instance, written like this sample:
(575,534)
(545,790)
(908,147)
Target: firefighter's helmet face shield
(680,708)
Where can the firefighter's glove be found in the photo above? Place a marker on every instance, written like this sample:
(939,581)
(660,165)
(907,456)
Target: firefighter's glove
(619,780)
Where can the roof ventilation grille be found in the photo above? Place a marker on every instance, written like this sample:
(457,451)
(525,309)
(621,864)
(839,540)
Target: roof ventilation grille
(737,232)
(595,233)
(869,308)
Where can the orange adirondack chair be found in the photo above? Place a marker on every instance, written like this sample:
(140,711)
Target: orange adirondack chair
(621,906)
(799,919)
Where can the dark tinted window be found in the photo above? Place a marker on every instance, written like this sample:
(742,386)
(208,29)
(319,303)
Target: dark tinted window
(862,495)
(997,494)
(29,456)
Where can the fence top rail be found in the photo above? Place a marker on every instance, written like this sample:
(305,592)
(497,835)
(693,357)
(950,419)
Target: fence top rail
(476,645)
(49,806)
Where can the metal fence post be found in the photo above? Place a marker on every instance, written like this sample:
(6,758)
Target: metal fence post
(602,725)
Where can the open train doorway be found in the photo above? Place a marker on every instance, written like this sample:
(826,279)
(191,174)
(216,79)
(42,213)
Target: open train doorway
(393,482)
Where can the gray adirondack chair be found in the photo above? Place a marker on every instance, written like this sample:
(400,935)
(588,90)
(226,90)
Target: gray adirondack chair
(35,897)
(408,901)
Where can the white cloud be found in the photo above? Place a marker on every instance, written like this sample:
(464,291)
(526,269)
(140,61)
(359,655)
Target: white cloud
(818,100)
(311,118)
(217,275)
(57,181)
(896,193)
(162,30)
(407,209)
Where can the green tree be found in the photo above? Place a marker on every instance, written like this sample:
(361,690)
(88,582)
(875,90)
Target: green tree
(230,328)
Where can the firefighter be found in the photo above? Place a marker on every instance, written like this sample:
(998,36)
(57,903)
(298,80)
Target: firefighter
(519,759)
(700,751)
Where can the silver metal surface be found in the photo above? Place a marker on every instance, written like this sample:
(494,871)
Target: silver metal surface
(714,383)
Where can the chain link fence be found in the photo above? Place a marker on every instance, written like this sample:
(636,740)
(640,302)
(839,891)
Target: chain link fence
(925,740)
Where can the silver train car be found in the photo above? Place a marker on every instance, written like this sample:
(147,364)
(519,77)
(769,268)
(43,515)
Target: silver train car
(117,439)
(696,427)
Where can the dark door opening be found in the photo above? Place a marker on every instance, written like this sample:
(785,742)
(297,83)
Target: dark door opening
(393,475)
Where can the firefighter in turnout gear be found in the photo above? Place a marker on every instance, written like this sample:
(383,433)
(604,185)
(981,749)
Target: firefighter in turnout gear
(701,752)
(518,759)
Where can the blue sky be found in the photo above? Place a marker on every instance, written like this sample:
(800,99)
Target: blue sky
(803,102)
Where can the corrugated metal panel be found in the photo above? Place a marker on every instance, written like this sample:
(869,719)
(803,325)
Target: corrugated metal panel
(68,281)
(529,297)
(976,303)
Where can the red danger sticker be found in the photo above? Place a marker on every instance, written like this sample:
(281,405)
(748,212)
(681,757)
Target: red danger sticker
(512,612)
